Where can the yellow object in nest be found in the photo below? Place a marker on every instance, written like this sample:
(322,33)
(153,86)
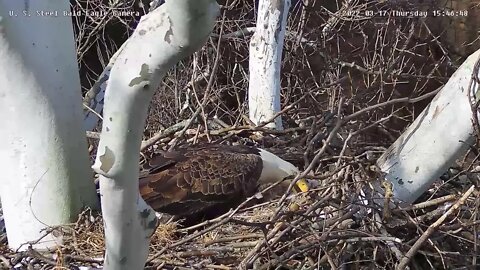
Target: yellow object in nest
(301,186)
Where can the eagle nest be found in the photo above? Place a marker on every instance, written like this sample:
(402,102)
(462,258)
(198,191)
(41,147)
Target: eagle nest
(327,227)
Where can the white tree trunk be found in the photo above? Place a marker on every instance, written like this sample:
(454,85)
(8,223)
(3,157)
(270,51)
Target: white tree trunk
(46,177)
(162,38)
(441,133)
(266,47)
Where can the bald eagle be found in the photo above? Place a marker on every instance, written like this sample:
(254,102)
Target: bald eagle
(195,179)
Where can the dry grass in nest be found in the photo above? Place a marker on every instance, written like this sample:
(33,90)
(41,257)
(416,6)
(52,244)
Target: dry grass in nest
(328,227)
(86,236)
(165,234)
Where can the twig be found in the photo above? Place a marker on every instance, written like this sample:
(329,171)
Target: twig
(209,85)
(275,236)
(218,222)
(163,134)
(426,204)
(233,238)
(5,261)
(310,167)
(432,228)
(390,102)
(396,251)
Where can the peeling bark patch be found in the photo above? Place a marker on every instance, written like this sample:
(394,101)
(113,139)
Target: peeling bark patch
(107,160)
(387,156)
(145,213)
(144,76)
(437,111)
(142,32)
(276,5)
(56,233)
(152,224)
(169,33)
(26,6)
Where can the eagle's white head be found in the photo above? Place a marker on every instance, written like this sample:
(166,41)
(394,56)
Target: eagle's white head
(274,168)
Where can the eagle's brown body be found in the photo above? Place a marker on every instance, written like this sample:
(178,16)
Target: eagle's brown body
(191,180)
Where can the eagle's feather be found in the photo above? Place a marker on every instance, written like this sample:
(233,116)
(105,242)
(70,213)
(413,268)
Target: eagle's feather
(196,178)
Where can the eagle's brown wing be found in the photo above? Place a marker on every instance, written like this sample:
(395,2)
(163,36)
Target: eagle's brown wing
(190,180)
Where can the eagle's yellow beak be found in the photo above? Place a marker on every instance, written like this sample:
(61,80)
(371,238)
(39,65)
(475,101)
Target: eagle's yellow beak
(302,186)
